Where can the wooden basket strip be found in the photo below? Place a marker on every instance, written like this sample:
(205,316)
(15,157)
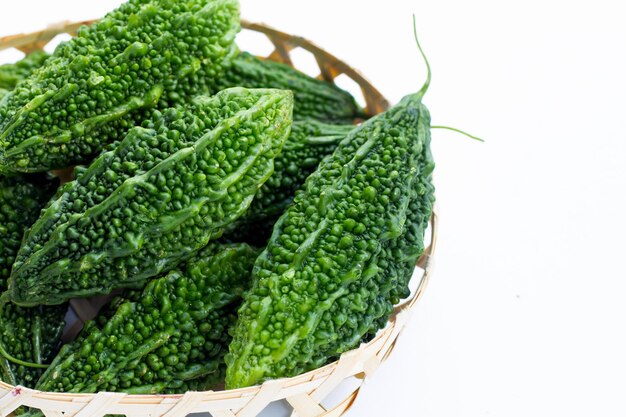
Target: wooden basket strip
(187,404)
(399,325)
(14,399)
(131,409)
(371,365)
(100,404)
(226,413)
(344,368)
(344,406)
(269,392)
(305,406)
(35,41)
(50,413)
(281,52)
(295,390)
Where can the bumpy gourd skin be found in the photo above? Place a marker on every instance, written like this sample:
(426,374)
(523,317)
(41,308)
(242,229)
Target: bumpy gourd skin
(313,98)
(393,268)
(11,74)
(310,141)
(169,338)
(28,334)
(91,91)
(169,188)
(322,256)
(3,93)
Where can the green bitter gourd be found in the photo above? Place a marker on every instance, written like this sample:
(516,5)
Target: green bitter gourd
(314,98)
(169,338)
(97,85)
(161,195)
(392,269)
(325,262)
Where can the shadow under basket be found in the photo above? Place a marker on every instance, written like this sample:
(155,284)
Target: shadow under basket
(329,391)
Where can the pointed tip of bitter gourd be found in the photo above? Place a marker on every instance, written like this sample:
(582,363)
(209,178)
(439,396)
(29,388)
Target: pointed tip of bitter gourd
(426,85)
(420,94)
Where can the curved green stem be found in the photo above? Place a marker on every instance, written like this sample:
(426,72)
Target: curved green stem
(424,88)
(458,131)
(20,362)
(6,354)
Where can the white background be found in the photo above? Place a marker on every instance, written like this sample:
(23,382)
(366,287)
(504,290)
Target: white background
(525,314)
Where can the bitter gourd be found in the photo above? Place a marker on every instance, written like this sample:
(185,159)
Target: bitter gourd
(314,98)
(94,87)
(309,142)
(395,263)
(28,334)
(11,74)
(169,338)
(320,268)
(3,93)
(161,195)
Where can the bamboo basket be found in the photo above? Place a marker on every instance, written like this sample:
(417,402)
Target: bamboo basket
(306,395)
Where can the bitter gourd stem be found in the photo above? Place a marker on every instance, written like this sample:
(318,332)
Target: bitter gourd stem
(10,358)
(458,131)
(424,88)
(427,84)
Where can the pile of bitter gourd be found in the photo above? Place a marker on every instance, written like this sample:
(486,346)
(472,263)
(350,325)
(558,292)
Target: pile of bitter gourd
(249,228)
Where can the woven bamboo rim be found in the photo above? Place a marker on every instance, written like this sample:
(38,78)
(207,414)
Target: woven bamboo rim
(304,393)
